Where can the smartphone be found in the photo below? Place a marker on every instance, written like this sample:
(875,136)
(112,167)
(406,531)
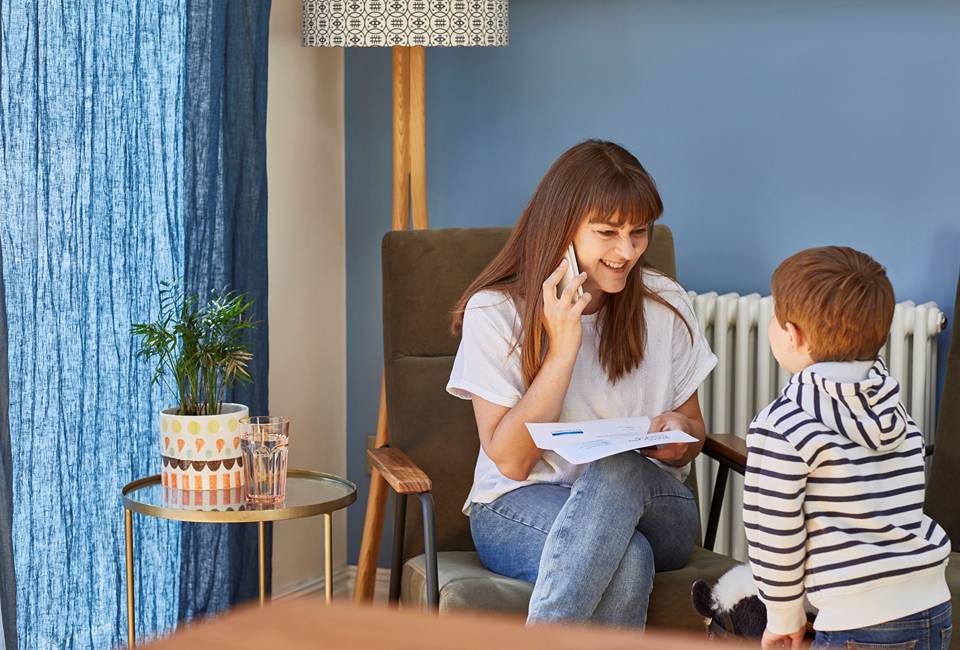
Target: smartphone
(572,272)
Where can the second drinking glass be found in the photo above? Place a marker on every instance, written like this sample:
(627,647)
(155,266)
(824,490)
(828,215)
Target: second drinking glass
(263,441)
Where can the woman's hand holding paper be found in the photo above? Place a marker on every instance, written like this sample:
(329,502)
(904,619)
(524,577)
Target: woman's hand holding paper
(686,418)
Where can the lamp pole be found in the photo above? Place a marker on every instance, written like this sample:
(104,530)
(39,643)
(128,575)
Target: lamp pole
(409,198)
(406,26)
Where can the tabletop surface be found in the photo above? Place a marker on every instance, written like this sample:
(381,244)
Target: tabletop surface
(302,623)
(308,493)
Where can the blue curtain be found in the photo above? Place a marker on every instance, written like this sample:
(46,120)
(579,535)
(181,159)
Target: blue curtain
(8,585)
(225,122)
(129,157)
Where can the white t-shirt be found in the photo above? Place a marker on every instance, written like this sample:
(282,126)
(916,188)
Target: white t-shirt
(672,369)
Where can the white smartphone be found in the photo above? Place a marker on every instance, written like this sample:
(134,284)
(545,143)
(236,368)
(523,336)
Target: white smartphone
(572,272)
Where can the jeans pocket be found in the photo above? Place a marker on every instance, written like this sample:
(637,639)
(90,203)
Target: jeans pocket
(862,645)
(945,634)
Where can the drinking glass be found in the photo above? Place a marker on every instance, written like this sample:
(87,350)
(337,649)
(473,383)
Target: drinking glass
(263,442)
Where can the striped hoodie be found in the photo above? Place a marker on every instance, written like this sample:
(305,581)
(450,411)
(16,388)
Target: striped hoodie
(833,503)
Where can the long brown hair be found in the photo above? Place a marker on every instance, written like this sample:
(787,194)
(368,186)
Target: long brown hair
(601,181)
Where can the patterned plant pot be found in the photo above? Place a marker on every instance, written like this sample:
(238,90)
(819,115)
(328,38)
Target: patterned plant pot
(201,452)
(205,500)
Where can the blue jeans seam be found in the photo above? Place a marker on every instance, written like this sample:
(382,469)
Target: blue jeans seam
(509,518)
(905,625)
(668,493)
(925,623)
(548,579)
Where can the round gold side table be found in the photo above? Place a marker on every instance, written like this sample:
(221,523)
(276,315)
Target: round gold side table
(309,494)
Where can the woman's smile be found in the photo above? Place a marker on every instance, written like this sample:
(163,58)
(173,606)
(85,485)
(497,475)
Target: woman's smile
(615,267)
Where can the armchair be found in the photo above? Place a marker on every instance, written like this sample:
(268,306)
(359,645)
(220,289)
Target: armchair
(434,438)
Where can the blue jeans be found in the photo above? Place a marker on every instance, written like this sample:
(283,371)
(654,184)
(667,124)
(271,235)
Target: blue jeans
(926,630)
(591,549)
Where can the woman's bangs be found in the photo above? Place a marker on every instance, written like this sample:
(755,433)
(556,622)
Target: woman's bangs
(621,203)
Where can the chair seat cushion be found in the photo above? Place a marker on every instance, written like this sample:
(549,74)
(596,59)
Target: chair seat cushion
(466,584)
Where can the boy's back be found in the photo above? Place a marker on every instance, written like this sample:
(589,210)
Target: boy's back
(833,502)
(834,485)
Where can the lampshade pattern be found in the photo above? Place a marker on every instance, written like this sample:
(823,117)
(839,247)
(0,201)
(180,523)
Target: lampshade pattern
(389,23)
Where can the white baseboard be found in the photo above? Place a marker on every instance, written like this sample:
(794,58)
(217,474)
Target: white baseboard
(344,578)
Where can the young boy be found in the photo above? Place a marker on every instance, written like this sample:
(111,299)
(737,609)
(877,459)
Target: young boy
(833,494)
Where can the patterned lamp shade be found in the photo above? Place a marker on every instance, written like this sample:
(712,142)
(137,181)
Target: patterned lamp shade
(389,23)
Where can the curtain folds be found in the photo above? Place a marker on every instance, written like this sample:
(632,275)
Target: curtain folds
(8,583)
(225,181)
(132,151)
(89,102)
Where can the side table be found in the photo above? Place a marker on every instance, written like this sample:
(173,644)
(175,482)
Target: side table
(308,494)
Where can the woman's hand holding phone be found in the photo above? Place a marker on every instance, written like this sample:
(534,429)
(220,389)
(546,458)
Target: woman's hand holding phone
(570,272)
(561,315)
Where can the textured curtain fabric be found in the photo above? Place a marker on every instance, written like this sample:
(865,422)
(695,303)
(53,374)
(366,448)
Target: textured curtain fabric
(129,157)
(225,188)
(8,586)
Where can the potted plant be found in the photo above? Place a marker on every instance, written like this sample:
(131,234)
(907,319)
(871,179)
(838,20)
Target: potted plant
(202,347)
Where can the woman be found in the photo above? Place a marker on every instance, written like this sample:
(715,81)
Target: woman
(590,537)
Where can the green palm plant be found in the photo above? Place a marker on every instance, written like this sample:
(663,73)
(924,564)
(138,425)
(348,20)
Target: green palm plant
(202,346)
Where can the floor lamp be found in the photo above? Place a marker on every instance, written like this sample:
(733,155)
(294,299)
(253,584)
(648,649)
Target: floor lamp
(406,26)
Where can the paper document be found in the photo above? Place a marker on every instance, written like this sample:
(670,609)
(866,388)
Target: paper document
(584,442)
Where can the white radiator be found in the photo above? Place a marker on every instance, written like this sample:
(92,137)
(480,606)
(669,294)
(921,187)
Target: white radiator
(747,378)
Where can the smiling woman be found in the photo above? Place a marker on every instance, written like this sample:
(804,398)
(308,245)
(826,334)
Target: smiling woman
(629,346)
(607,252)
(591,193)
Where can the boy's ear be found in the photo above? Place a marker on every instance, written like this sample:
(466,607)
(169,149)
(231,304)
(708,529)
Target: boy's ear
(798,340)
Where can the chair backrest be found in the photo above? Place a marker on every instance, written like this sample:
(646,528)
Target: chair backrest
(424,274)
(940,502)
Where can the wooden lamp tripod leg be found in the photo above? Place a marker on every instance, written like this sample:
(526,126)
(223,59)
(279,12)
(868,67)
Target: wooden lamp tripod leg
(373,521)
(409,194)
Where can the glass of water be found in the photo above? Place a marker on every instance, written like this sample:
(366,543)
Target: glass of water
(263,442)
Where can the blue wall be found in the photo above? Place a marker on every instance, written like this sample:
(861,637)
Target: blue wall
(768,126)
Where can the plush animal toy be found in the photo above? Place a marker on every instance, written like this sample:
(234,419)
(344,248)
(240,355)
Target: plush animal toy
(732,606)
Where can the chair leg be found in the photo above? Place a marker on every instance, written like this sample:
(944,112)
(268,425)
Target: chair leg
(396,563)
(713,520)
(430,551)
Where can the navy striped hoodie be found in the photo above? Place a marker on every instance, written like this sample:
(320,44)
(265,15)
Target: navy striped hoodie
(833,503)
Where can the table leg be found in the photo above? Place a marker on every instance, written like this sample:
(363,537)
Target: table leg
(262,560)
(131,620)
(328,555)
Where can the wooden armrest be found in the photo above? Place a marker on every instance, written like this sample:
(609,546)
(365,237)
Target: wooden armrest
(728,449)
(401,473)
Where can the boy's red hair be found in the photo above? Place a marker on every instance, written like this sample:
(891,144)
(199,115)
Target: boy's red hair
(840,299)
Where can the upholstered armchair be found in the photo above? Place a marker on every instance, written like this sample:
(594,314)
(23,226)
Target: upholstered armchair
(434,440)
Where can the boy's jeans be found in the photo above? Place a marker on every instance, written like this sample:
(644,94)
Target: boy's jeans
(926,630)
(591,549)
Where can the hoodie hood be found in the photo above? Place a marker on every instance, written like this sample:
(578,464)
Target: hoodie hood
(867,412)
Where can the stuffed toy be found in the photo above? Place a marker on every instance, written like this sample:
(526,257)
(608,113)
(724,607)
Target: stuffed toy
(732,606)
